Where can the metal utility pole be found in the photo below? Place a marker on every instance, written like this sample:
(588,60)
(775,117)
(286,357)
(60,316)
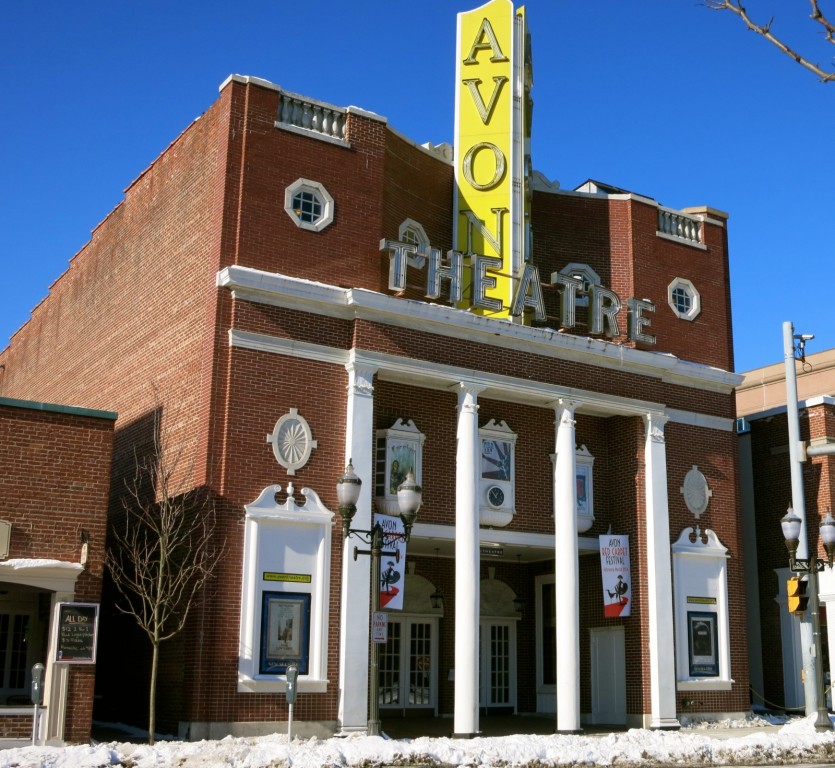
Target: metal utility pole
(809,621)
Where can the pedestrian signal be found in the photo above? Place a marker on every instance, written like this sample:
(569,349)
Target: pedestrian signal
(798,599)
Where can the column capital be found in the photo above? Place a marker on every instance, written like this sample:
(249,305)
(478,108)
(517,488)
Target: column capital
(565,408)
(654,425)
(468,388)
(361,378)
(468,392)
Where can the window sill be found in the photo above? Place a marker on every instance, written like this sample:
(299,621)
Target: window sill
(704,685)
(280,686)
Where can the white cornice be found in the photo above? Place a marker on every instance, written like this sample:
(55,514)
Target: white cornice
(701,420)
(443,377)
(492,386)
(350,303)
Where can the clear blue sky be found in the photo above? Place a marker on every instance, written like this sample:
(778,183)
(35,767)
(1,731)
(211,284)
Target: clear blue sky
(662,97)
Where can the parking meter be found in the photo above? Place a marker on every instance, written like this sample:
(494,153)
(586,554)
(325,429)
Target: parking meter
(292,675)
(37,697)
(37,683)
(292,678)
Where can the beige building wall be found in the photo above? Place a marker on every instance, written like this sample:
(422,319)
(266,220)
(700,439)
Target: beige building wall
(765,388)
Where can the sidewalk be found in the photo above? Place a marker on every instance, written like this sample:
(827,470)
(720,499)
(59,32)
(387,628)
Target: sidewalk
(438,727)
(507,725)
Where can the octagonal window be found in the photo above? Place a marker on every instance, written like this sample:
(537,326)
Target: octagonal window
(684,299)
(309,205)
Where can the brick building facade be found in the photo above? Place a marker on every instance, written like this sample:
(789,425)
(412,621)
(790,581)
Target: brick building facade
(55,468)
(242,282)
(766,489)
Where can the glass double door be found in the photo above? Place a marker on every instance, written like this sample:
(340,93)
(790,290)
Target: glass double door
(408,677)
(408,664)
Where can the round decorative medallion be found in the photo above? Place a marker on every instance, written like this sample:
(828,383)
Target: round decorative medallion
(292,441)
(695,491)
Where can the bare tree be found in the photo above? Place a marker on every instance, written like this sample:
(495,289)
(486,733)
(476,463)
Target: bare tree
(736,6)
(163,551)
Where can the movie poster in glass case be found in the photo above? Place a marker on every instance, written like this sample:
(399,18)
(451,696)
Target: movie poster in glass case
(702,644)
(285,632)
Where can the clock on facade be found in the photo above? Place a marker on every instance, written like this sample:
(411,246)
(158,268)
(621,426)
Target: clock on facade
(495,496)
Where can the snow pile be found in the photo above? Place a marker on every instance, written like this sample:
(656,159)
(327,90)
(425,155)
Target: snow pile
(796,741)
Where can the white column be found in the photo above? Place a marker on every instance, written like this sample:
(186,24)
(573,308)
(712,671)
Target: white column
(662,668)
(356,574)
(567,567)
(467,563)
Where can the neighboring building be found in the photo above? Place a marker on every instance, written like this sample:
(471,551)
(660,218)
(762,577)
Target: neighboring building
(243,283)
(765,482)
(54,491)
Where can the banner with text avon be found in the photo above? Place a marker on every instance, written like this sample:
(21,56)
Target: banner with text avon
(614,567)
(392,567)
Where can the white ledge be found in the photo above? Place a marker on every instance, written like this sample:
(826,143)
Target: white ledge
(352,303)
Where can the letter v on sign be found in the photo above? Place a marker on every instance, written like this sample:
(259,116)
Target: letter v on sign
(485,110)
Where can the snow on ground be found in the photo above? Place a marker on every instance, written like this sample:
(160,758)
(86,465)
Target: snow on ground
(794,741)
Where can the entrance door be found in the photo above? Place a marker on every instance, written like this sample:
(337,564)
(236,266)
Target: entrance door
(407,675)
(608,676)
(497,664)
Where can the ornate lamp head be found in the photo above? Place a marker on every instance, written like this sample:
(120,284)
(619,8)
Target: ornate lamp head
(827,534)
(791,533)
(348,488)
(409,498)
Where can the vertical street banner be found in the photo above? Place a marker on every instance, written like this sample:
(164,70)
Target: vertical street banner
(617,583)
(392,568)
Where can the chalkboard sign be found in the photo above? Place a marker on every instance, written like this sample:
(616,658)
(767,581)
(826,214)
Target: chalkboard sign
(78,629)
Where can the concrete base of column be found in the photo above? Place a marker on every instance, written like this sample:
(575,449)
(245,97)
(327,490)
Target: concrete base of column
(666,724)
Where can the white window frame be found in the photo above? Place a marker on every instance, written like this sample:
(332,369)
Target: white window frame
(589,277)
(320,193)
(685,285)
(700,577)
(412,232)
(584,468)
(399,438)
(285,539)
(491,514)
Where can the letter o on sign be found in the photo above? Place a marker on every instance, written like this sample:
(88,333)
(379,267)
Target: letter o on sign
(469,160)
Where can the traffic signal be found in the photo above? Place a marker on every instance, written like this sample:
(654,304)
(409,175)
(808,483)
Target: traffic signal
(798,599)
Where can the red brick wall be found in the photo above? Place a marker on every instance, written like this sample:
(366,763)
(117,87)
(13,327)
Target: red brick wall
(617,238)
(16,727)
(56,483)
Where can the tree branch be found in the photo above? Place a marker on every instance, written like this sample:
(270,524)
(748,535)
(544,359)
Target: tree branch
(764,30)
(818,16)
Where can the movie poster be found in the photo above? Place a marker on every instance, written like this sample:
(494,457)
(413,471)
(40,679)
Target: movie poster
(614,566)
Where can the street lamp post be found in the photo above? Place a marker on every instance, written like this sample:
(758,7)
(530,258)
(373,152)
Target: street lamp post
(792,529)
(409,497)
(794,349)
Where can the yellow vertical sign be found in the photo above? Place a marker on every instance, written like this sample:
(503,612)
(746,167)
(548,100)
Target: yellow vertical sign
(489,148)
